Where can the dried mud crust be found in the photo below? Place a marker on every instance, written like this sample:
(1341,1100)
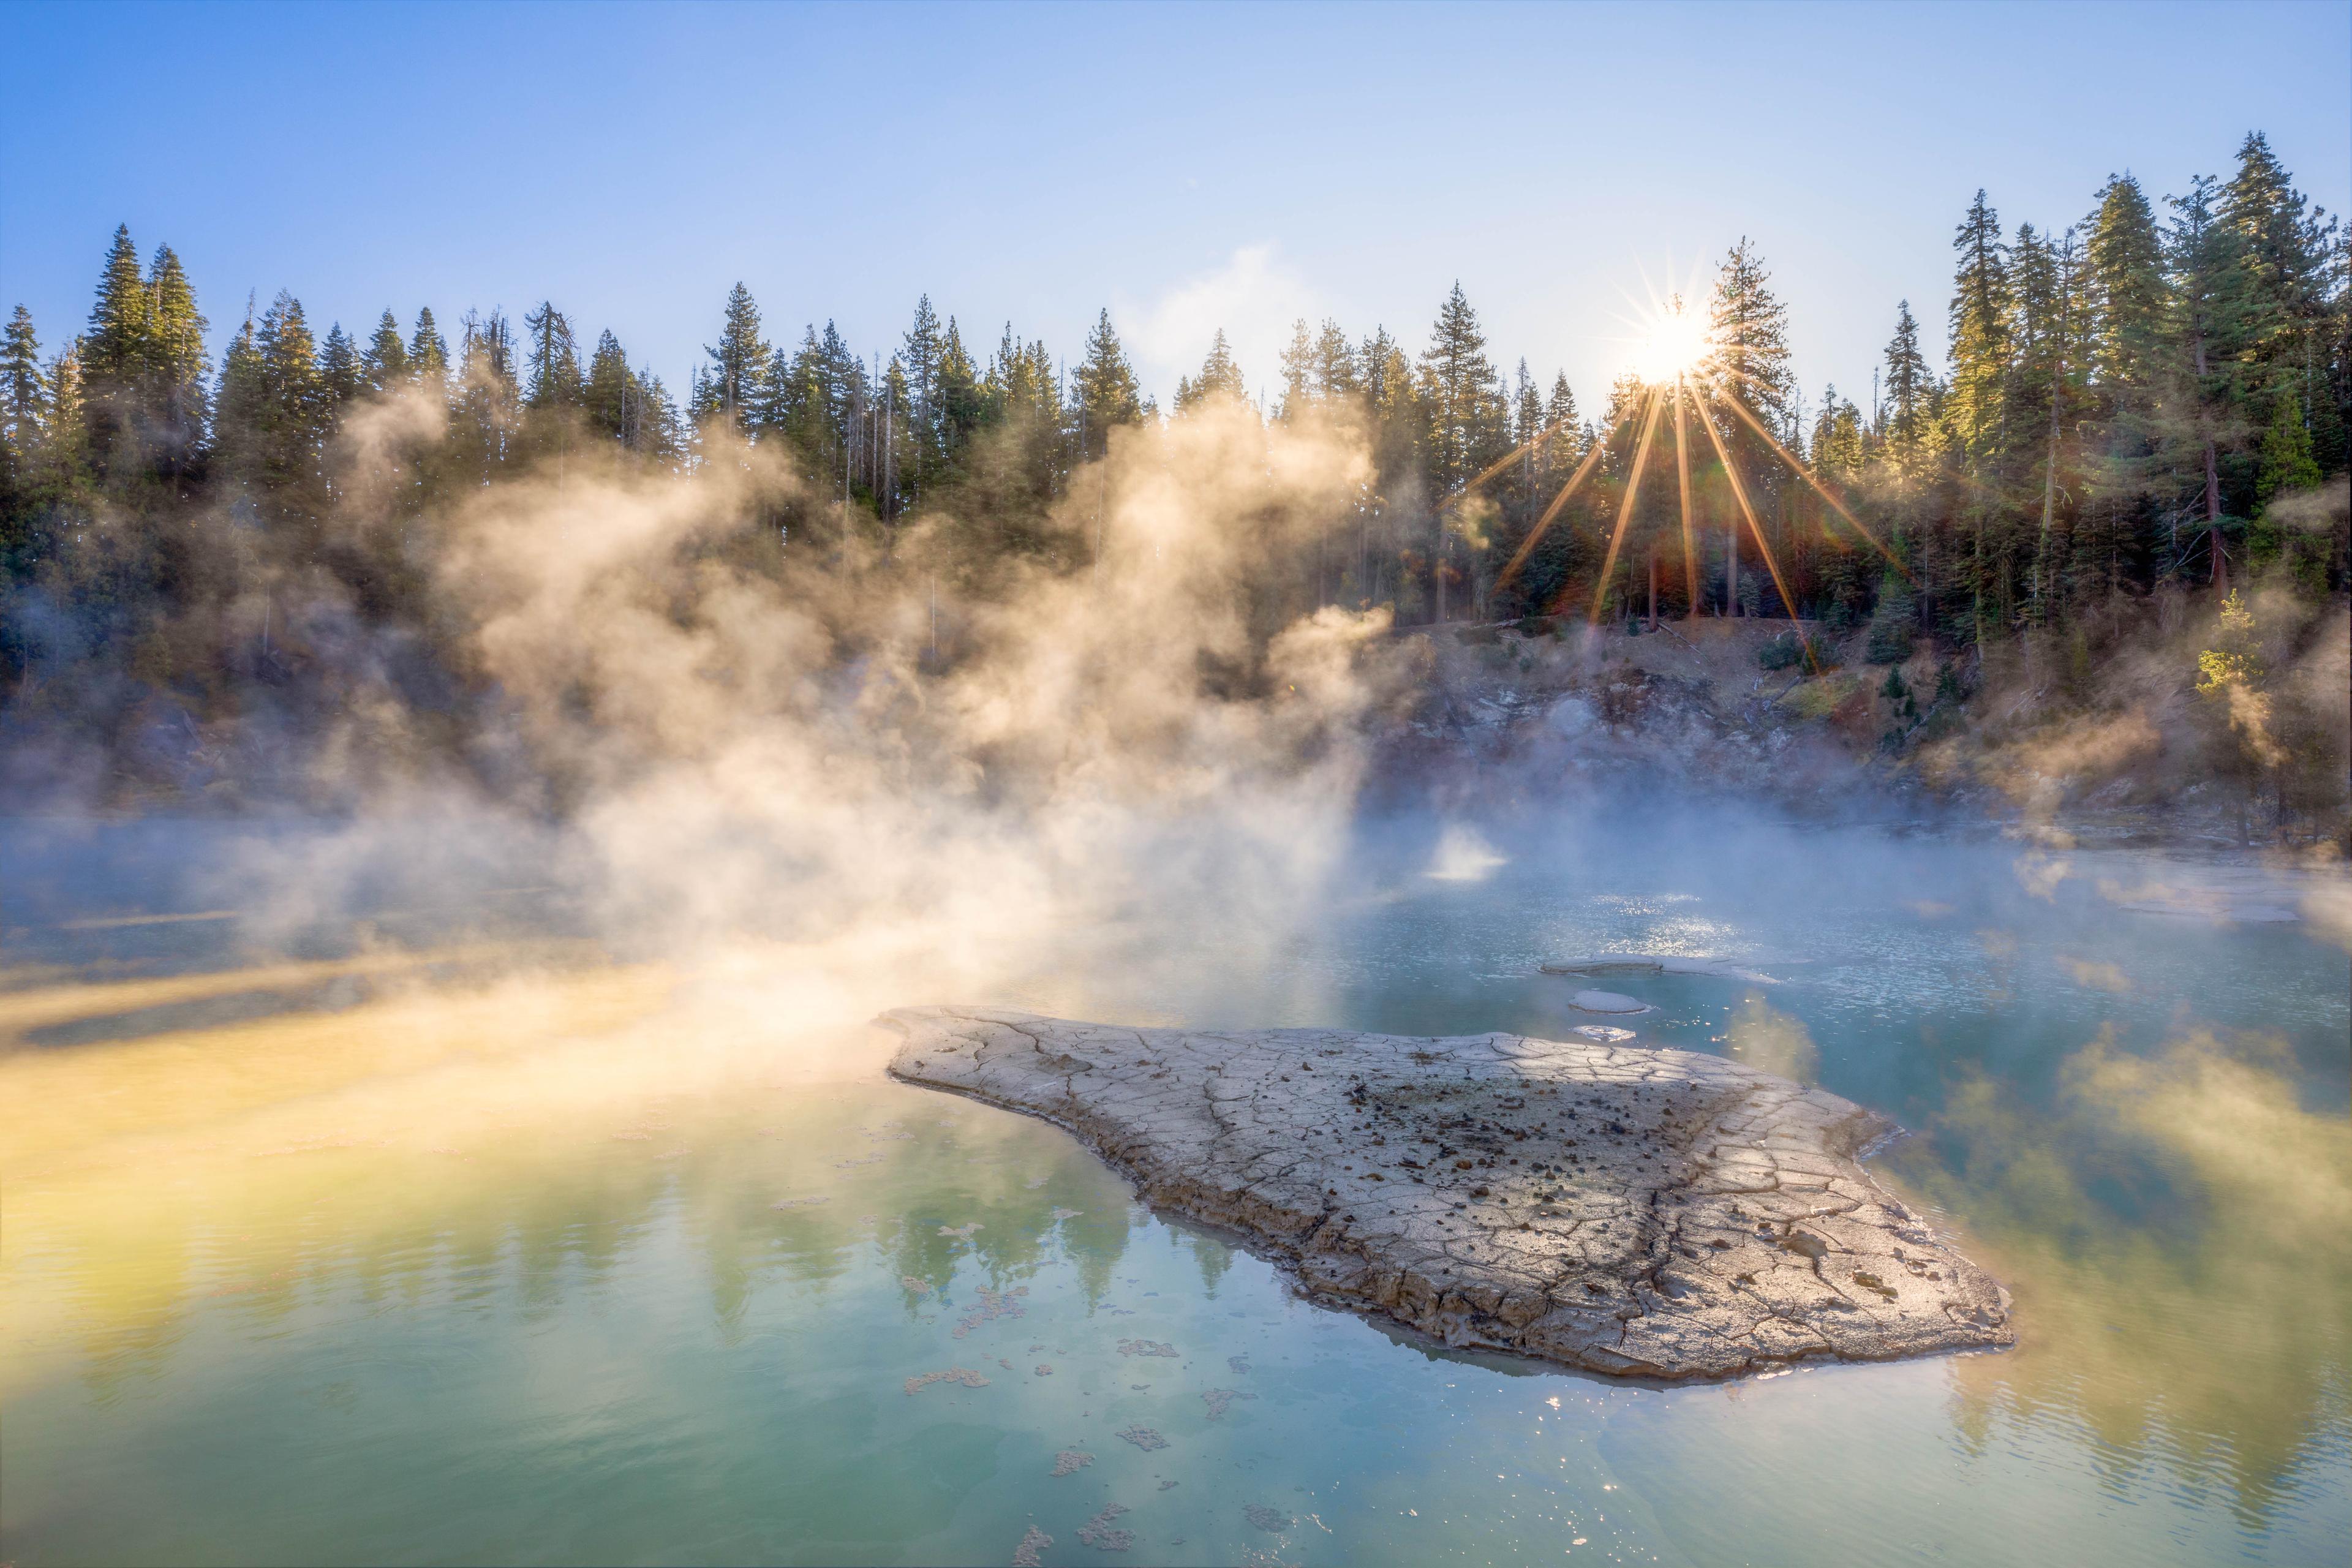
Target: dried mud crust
(1627,1211)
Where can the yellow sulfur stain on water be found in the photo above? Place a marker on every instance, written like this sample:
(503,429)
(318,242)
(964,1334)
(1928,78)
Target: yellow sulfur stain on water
(145,1176)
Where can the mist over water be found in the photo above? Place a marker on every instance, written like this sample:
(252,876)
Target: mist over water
(421,1210)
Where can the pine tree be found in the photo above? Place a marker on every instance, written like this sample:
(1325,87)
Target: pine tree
(238,407)
(2275,300)
(739,366)
(1468,420)
(554,360)
(1107,392)
(341,377)
(2202,254)
(385,362)
(1980,332)
(1527,420)
(606,395)
(428,355)
(1219,378)
(2125,277)
(174,399)
(114,360)
(1909,388)
(294,409)
(1298,373)
(24,388)
(960,403)
(1564,446)
(65,437)
(1747,327)
(1335,376)
(1458,380)
(1837,447)
(483,413)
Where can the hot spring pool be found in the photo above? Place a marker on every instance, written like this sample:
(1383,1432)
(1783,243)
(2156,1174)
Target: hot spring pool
(595,1264)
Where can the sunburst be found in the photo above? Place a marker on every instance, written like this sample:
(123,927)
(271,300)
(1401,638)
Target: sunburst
(1677,364)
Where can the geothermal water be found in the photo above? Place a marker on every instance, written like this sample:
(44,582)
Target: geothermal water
(393,1227)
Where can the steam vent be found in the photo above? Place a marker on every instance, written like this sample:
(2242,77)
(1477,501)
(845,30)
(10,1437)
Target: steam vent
(1619,1209)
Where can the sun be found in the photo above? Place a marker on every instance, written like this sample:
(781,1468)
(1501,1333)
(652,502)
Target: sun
(1674,343)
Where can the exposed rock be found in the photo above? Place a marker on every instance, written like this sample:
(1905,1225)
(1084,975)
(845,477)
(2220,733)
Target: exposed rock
(1606,1002)
(1656,963)
(1649,1212)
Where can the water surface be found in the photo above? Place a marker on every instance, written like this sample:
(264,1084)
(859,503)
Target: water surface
(429,1233)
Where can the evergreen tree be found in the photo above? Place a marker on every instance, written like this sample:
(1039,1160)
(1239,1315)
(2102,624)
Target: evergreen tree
(1980,332)
(342,377)
(919,354)
(65,437)
(1459,388)
(2275,300)
(1219,377)
(1528,420)
(554,360)
(1297,372)
(293,405)
(1838,445)
(24,388)
(1909,388)
(174,401)
(1335,376)
(1564,445)
(739,366)
(2128,298)
(2202,256)
(961,402)
(483,413)
(115,353)
(385,362)
(1748,329)
(428,355)
(606,395)
(238,407)
(1106,392)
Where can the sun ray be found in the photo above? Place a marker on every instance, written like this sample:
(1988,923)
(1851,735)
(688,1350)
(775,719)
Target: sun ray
(1807,475)
(1543,523)
(1681,469)
(1499,464)
(1625,511)
(1739,493)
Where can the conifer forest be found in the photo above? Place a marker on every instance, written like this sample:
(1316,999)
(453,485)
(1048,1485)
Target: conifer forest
(2145,403)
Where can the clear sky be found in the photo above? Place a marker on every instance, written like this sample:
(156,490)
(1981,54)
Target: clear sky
(1189,167)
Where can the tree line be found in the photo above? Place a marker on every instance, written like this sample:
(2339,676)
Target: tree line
(2124,396)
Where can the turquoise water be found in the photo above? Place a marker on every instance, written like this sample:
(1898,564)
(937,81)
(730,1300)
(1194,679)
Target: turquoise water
(592,1272)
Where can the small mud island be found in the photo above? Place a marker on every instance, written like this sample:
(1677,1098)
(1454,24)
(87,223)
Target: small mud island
(1638,1212)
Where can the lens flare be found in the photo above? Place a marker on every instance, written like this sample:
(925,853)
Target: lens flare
(1674,343)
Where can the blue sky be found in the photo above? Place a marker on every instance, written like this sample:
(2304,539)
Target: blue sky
(1188,167)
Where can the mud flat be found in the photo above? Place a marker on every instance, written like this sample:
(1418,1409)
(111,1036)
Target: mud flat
(1624,1210)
